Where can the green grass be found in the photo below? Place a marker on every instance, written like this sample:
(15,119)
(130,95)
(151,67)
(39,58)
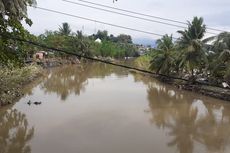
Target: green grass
(143,62)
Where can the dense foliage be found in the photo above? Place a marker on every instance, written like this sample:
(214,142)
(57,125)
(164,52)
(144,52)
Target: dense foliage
(75,42)
(189,56)
(162,61)
(192,56)
(11,16)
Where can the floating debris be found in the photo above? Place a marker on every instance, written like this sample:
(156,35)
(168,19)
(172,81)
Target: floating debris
(35,103)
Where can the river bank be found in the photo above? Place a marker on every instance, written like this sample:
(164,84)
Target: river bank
(211,91)
(215,92)
(13,80)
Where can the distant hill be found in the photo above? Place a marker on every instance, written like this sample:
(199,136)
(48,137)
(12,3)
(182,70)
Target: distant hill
(144,41)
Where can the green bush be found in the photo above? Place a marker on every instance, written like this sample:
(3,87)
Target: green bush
(143,62)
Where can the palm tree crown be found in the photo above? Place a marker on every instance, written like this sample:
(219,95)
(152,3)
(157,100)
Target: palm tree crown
(162,58)
(220,65)
(65,29)
(193,56)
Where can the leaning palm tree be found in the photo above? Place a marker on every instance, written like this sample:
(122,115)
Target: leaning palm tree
(193,51)
(163,57)
(221,60)
(65,29)
(224,60)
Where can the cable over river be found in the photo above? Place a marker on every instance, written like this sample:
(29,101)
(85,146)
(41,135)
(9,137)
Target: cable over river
(98,108)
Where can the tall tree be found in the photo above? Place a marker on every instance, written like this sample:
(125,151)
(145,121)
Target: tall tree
(122,38)
(163,58)
(65,29)
(220,66)
(103,35)
(193,56)
(12,12)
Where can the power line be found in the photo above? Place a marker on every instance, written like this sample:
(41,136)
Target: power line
(110,24)
(125,14)
(132,16)
(100,60)
(137,13)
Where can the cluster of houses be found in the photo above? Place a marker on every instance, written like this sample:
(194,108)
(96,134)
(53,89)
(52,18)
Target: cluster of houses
(142,50)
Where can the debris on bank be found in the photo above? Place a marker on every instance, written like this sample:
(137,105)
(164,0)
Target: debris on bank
(55,62)
(12,81)
(215,92)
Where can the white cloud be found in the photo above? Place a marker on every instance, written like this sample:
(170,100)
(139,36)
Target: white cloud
(214,11)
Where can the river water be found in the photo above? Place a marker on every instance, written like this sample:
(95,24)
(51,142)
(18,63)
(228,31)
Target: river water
(97,108)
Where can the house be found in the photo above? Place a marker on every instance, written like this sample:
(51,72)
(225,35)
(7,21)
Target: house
(40,55)
(98,40)
(142,50)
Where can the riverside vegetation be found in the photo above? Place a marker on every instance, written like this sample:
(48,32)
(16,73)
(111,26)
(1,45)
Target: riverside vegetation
(191,56)
(13,54)
(199,60)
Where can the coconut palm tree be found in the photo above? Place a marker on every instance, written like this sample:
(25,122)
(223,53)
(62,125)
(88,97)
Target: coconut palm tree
(193,51)
(65,29)
(163,57)
(221,61)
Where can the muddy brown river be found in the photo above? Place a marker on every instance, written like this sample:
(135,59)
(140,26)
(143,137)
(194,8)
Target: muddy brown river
(97,108)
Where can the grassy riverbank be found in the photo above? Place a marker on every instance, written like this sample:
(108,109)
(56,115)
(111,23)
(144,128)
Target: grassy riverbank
(12,80)
(143,62)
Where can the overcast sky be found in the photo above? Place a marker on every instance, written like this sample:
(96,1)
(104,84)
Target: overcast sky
(216,14)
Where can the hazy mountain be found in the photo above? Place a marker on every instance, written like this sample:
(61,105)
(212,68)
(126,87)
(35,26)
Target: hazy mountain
(144,41)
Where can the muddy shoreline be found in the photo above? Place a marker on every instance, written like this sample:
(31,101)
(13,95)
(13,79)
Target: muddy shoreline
(15,91)
(215,92)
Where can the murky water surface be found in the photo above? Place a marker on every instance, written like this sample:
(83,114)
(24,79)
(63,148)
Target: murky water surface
(97,108)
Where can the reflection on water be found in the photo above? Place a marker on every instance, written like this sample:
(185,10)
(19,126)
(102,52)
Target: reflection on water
(66,80)
(73,79)
(15,132)
(189,121)
(110,110)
